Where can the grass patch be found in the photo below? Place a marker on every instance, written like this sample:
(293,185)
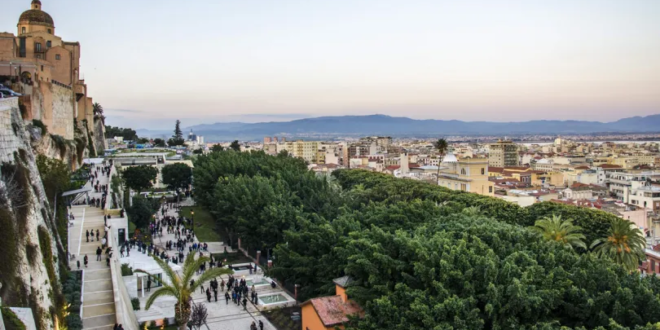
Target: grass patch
(204,224)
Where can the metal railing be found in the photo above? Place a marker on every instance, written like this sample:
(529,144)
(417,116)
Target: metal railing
(124,313)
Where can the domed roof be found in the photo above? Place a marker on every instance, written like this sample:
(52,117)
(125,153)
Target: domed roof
(36,15)
(449,158)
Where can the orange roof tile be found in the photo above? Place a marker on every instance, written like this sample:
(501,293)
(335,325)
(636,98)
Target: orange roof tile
(333,311)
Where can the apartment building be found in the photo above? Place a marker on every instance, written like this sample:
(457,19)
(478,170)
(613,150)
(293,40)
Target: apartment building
(502,153)
(469,174)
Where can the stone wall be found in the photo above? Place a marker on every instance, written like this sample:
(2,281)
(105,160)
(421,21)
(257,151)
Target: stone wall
(63,111)
(99,136)
(24,273)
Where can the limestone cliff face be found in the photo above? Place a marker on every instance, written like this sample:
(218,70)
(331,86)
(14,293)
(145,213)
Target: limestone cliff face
(31,247)
(99,136)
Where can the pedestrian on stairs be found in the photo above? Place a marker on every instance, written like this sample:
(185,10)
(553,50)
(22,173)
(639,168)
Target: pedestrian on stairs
(86,260)
(87,235)
(98,253)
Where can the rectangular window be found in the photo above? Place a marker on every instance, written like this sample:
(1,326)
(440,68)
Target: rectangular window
(57,57)
(42,68)
(48,44)
(490,189)
(37,46)
(23,30)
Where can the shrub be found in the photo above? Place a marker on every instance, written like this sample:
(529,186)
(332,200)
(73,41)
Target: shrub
(126,270)
(136,304)
(40,124)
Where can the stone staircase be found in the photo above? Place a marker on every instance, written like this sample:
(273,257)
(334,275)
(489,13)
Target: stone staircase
(98,298)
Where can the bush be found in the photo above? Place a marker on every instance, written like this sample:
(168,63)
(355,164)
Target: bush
(40,124)
(126,270)
(136,304)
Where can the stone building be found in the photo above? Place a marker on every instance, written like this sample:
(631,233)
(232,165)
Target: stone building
(502,154)
(44,68)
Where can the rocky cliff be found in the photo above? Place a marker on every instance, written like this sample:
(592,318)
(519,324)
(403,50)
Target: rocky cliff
(31,249)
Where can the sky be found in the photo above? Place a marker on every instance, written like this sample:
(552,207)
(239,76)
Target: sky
(150,62)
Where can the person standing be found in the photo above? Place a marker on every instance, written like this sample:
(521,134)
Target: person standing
(87,235)
(86,260)
(261,325)
(97,235)
(78,263)
(148,283)
(208,294)
(245,303)
(98,253)
(215,293)
(227,297)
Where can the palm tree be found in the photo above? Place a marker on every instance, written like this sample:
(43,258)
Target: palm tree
(624,244)
(97,108)
(441,147)
(180,286)
(562,231)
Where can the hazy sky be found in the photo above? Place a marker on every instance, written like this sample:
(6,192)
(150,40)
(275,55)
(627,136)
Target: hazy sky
(219,60)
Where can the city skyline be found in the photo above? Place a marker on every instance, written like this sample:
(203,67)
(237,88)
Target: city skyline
(471,61)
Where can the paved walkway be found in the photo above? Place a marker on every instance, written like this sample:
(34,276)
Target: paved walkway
(98,299)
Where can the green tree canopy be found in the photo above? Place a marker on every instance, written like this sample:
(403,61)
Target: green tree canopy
(126,133)
(142,211)
(139,178)
(177,175)
(235,146)
(159,143)
(216,148)
(561,231)
(624,244)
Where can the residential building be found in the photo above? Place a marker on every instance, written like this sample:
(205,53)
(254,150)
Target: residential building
(502,153)
(647,196)
(330,312)
(652,263)
(469,174)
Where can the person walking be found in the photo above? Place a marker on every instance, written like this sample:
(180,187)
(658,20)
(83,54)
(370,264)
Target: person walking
(97,235)
(261,325)
(253,326)
(208,294)
(148,283)
(107,261)
(222,284)
(87,235)
(98,253)
(86,260)
(244,303)
(78,263)
(227,297)
(215,293)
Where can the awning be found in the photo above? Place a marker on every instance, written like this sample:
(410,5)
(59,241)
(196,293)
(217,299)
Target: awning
(76,192)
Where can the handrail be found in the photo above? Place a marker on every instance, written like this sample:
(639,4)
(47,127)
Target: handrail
(123,314)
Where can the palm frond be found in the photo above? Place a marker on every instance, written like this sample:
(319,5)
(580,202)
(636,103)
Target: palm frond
(166,290)
(210,274)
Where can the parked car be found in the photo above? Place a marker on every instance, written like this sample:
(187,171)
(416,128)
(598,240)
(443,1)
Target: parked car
(9,93)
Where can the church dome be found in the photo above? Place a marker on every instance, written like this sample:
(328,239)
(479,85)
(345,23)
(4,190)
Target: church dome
(36,15)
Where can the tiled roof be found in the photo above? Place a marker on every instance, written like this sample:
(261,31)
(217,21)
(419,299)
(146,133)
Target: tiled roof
(609,166)
(495,169)
(333,311)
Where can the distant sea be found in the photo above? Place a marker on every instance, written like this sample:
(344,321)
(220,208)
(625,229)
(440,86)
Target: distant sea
(594,142)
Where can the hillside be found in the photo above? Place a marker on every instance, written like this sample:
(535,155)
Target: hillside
(403,126)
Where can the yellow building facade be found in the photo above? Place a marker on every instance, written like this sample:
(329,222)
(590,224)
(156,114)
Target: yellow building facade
(468,174)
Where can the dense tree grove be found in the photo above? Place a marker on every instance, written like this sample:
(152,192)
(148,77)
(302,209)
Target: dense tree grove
(139,178)
(422,256)
(177,175)
(127,133)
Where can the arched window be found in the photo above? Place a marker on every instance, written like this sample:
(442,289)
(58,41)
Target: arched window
(23,29)
(483,171)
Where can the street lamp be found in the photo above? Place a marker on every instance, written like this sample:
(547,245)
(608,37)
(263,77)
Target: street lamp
(192,218)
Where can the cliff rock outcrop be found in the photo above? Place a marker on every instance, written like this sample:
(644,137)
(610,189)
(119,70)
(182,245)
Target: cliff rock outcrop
(32,252)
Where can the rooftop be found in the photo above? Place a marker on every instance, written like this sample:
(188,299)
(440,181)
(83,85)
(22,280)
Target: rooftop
(333,311)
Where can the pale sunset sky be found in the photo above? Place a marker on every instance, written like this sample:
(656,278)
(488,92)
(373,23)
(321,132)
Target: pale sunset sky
(149,62)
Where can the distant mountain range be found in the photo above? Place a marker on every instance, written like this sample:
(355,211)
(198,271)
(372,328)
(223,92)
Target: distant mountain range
(328,127)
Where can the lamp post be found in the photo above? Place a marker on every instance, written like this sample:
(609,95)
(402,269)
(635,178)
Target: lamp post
(192,219)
